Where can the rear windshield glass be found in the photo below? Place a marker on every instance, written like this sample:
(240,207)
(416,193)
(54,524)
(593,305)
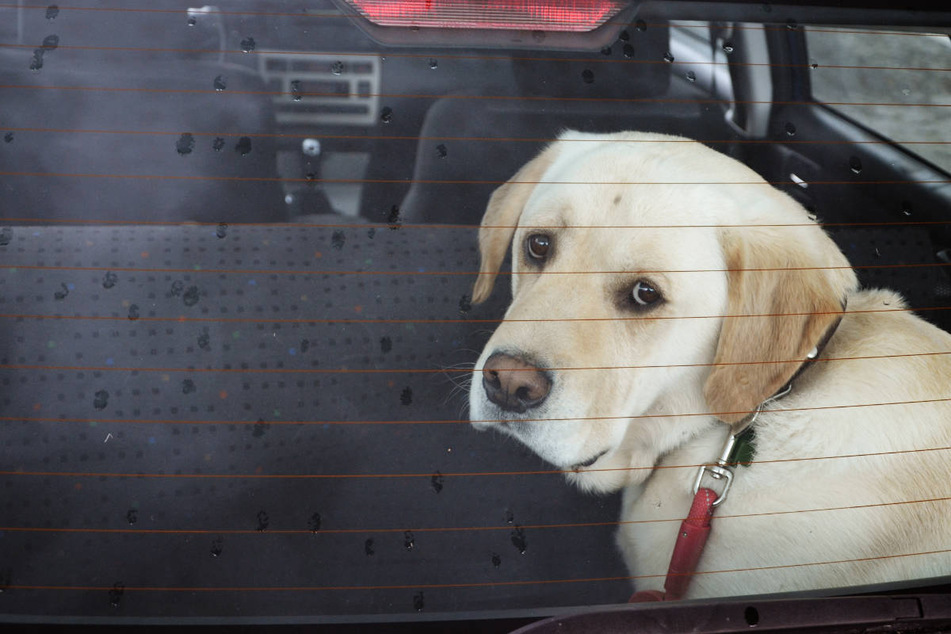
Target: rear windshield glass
(246,323)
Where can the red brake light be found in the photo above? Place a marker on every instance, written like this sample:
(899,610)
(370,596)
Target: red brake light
(544,15)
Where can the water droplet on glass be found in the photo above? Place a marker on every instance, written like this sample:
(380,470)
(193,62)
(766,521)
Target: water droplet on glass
(336,68)
(386,344)
(296,89)
(640,25)
(386,115)
(419,601)
(628,51)
(624,36)
(792,25)
(813,217)
(509,517)
(191,296)
(437,482)
(496,560)
(813,64)
(605,50)
(878,253)
(409,542)
(905,91)
(133,312)
(727,47)
(905,209)
(465,304)
(855,164)
(433,63)
(115,595)
(50,42)
(220,83)
(101,399)
(263,521)
(668,58)
(37,62)
(338,239)
(518,539)
(110,279)
(691,76)
(394,218)
(368,548)
(185,144)
(314,523)
(8,137)
(790,128)
(441,151)
(222,231)
(248,44)
(132,517)
(218,144)
(192,20)
(406,396)
(587,76)
(52,11)
(188,387)
(260,428)
(243,146)
(217,546)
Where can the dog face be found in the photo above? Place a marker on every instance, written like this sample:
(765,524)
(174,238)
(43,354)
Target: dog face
(635,312)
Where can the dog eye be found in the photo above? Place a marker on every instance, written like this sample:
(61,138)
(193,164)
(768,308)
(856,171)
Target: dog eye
(538,245)
(644,293)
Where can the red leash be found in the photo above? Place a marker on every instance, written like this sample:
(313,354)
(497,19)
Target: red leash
(695,529)
(691,539)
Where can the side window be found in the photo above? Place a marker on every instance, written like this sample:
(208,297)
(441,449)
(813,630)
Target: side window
(700,50)
(890,82)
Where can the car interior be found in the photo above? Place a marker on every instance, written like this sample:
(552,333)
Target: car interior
(237,249)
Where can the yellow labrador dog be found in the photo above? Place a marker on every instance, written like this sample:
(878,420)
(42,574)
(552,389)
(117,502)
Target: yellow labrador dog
(662,293)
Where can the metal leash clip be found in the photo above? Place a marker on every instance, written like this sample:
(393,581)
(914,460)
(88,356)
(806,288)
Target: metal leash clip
(719,471)
(723,468)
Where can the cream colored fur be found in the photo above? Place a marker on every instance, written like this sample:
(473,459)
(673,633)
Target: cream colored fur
(641,386)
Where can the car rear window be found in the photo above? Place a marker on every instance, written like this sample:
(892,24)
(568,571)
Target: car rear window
(237,251)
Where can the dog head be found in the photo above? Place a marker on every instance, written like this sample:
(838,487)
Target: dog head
(658,287)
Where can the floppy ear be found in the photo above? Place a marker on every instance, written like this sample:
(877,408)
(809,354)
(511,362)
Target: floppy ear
(501,216)
(795,280)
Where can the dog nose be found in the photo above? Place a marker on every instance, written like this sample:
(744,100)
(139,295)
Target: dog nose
(513,384)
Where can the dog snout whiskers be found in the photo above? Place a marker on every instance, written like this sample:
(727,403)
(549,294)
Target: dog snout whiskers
(514,384)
